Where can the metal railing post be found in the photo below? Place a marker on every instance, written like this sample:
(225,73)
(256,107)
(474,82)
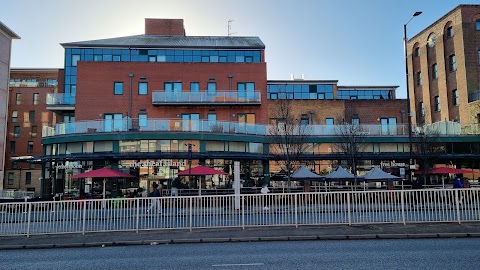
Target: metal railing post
(191,213)
(349,215)
(296,209)
(402,201)
(84,216)
(137,225)
(243,212)
(29,218)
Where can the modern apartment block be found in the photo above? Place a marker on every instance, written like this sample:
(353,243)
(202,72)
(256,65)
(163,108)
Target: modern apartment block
(6,37)
(27,114)
(444,68)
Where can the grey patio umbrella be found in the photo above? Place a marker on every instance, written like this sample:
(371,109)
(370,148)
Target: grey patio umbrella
(376,174)
(340,174)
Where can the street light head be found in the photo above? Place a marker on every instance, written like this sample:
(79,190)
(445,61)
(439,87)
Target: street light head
(417,13)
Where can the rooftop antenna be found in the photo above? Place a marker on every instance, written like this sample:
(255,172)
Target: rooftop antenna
(230,27)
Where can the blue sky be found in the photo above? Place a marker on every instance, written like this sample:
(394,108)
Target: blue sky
(357,42)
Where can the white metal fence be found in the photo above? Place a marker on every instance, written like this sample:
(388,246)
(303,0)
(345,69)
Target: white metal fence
(192,212)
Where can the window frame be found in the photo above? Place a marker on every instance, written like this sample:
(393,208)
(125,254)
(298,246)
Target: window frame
(115,88)
(435,71)
(419,78)
(10,178)
(437,103)
(416,52)
(36,98)
(30,146)
(28,178)
(452,63)
(31,116)
(141,91)
(456,98)
(450,32)
(18,99)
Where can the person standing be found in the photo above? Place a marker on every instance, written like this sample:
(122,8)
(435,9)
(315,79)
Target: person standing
(155,201)
(264,191)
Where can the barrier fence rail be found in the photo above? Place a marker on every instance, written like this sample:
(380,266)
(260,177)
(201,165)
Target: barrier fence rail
(246,210)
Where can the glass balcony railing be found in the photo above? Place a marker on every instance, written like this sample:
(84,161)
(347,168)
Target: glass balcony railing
(206,126)
(60,99)
(218,97)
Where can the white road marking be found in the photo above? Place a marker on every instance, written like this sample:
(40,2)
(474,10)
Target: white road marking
(237,264)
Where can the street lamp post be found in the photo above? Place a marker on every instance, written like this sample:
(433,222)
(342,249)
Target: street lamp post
(409,112)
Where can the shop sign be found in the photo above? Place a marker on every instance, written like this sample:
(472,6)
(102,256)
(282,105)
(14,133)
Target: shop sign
(161,163)
(69,166)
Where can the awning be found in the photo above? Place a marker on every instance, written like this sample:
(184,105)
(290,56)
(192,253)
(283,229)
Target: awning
(103,172)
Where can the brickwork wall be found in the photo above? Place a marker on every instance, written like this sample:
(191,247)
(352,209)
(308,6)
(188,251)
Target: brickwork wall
(466,79)
(164,27)
(95,81)
(5,44)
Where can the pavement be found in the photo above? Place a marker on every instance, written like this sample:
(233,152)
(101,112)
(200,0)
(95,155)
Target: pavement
(250,234)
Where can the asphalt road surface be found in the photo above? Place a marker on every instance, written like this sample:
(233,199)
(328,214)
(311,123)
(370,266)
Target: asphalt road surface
(344,254)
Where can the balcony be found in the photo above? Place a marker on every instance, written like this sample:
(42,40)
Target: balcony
(206,98)
(60,102)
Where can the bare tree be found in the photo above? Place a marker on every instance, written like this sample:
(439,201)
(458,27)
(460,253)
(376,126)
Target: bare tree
(426,148)
(287,137)
(351,142)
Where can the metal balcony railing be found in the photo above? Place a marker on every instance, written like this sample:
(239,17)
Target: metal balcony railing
(217,97)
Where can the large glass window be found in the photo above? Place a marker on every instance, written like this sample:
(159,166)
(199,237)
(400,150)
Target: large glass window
(212,88)
(28,178)
(118,88)
(30,147)
(114,122)
(33,131)
(194,87)
(452,62)
(142,88)
(450,32)
(246,90)
(14,116)
(75,59)
(388,126)
(455,97)
(10,178)
(419,78)
(18,99)
(190,121)
(435,71)
(36,98)
(212,120)
(437,103)
(142,120)
(31,116)
(13,146)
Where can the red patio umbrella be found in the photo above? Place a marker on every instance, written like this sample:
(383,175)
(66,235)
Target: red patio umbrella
(103,173)
(201,171)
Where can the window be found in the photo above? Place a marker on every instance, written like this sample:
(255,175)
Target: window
(13,145)
(329,121)
(419,78)
(18,99)
(10,178)
(437,103)
(28,178)
(75,59)
(304,120)
(33,131)
(16,131)
(142,120)
(212,120)
(194,87)
(118,88)
(212,88)
(30,147)
(36,98)
(246,90)
(417,52)
(14,116)
(142,88)
(422,109)
(388,126)
(452,62)
(455,97)
(435,71)
(355,121)
(477,25)
(450,32)
(31,116)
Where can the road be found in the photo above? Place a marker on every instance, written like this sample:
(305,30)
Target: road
(347,254)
